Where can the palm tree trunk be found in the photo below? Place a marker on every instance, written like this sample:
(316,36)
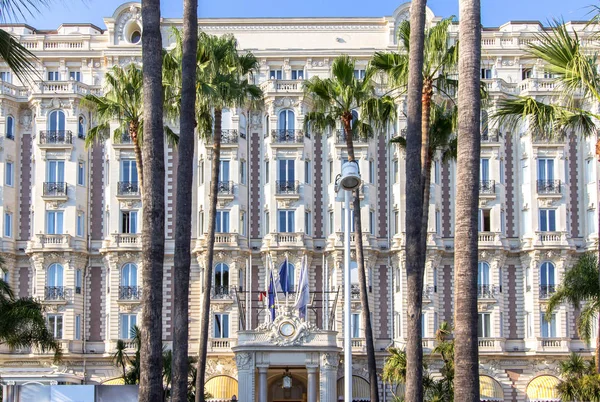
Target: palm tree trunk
(414,205)
(210,251)
(425,167)
(362,277)
(466,380)
(137,150)
(153,201)
(183,219)
(597,359)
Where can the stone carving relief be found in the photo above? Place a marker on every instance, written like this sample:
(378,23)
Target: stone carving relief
(243,361)
(329,361)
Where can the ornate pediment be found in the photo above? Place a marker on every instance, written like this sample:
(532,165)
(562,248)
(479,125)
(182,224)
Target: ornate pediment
(288,330)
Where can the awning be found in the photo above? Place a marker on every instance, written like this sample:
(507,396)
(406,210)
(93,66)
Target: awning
(543,388)
(114,381)
(222,387)
(490,389)
(360,388)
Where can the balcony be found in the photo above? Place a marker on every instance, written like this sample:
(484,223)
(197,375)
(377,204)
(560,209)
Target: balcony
(546,291)
(485,292)
(354,292)
(553,344)
(130,293)
(55,242)
(125,241)
(551,239)
(490,344)
(128,189)
(490,136)
(222,293)
(287,187)
(286,239)
(548,187)
(223,241)
(487,187)
(273,86)
(56,137)
(228,137)
(287,137)
(222,344)
(55,293)
(358,345)
(225,188)
(340,138)
(55,190)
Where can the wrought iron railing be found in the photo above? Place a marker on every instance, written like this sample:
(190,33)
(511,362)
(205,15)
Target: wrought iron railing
(55,188)
(130,292)
(292,136)
(287,187)
(354,292)
(340,137)
(546,291)
(54,293)
(487,187)
(485,292)
(221,292)
(56,137)
(128,188)
(225,187)
(490,136)
(548,186)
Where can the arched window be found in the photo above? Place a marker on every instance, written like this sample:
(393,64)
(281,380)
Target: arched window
(56,121)
(129,287)
(547,279)
(221,279)
(54,283)
(483,279)
(10,128)
(287,120)
(287,272)
(81,127)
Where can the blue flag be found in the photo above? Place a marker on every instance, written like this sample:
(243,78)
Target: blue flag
(272,291)
(284,282)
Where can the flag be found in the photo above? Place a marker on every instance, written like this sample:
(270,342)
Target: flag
(272,291)
(284,283)
(302,296)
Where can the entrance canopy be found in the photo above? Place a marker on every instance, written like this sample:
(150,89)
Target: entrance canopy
(543,388)
(490,389)
(360,388)
(222,387)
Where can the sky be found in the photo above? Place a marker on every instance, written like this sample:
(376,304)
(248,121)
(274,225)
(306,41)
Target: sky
(494,12)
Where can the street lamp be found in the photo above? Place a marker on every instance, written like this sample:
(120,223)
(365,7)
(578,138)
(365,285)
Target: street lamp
(348,181)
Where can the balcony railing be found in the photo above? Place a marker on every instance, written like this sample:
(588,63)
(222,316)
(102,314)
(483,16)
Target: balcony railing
(225,187)
(487,187)
(340,137)
(292,136)
(55,189)
(287,187)
(548,186)
(354,292)
(130,292)
(490,136)
(56,137)
(485,292)
(546,291)
(128,188)
(221,292)
(229,136)
(54,293)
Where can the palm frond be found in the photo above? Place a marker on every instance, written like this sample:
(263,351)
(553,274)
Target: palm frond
(17,57)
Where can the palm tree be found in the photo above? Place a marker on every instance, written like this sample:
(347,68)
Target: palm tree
(133,375)
(579,285)
(225,83)
(22,322)
(335,99)
(576,77)
(120,357)
(185,172)
(466,380)
(153,201)
(581,383)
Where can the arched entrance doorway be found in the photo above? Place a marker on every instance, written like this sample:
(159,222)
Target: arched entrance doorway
(296,393)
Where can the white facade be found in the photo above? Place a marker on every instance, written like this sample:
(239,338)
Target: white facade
(71,233)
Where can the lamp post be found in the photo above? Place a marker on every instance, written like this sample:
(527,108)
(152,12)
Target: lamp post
(348,181)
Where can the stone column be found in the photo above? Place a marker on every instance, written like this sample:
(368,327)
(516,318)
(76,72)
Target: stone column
(262,383)
(245,365)
(328,377)
(312,383)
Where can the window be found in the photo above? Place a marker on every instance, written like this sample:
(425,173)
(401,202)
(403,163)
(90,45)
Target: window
(484,169)
(10,128)
(436,172)
(224,171)
(484,329)
(526,73)
(286,221)
(243,172)
(502,178)
(78,327)
(483,280)
(503,222)
(547,280)
(128,322)
(424,325)
(222,222)
(307,172)
(81,127)
(79,230)
(484,220)
(81,173)
(359,74)
(396,222)
(9,176)
(355,325)
(548,325)
(396,171)
(266,171)
(55,325)
(129,173)
(286,120)
(56,121)
(589,170)
(221,325)
(435,280)
(438,223)
(78,281)
(548,220)
(344,219)
(221,279)
(8,224)
(307,223)
(354,272)
(276,75)
(54,276)
(129,275)
(6,76)
(548,74)
(372,222)
(55,171)
(297,74)
(545,169)
(54,222)
(129,222)
(243,223)
(331,224)
(330,171)
(5,276)
(286,174)
(201,222)
(201,172)
(267,223)
(486,73)
(53,76)
(371,172)
(75,75)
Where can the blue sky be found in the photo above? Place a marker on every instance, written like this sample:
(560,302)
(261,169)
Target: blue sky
(494,12)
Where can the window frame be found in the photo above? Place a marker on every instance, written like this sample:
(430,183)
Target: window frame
(55,325)
(222,221)
(8,224)
(223,326)
(9,174)
(288,224)
(57,218)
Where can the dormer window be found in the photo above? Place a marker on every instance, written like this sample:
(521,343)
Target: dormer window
(133,32)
